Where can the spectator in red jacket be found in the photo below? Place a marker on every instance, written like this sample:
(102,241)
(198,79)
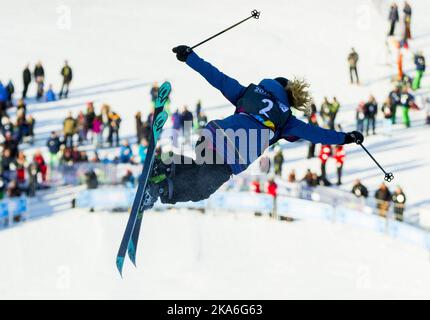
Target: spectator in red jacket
(255,186)
(325,153)
(339,155)
(272,188)
(41,164)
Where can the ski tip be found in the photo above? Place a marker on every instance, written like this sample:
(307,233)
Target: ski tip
(120,264)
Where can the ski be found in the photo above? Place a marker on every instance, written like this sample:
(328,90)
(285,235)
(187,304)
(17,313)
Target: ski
(131,233)
(163,95)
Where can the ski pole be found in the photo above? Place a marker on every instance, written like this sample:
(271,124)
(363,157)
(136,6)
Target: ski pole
(388,175)
(254,14)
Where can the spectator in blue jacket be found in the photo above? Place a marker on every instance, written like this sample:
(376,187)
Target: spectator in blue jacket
(50,94)
(228,146)
(54,145)
(125,152)
(3,98)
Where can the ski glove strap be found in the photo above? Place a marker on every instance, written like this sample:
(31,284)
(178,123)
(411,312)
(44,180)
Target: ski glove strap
(182,52)
(354,137)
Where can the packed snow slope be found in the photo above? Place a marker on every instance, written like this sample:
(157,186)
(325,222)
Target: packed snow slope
(215,256)
(117,49)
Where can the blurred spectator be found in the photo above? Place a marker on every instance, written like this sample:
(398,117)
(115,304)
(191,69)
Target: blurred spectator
(395,102)
(198,107)
(97,132)
(406,101)
(91,179)
(313,120)
(39,76)
(21,165)
(339,155)
(41,164)
(352,61)
(360,116)
(13,190)
(177,127)
(255,186)
(370,111)
(142,150)
(3,99)
(407,11)
(334,109)
(26,79)
(90,115)
(420,64)
(187,123)
(359,190)
(292,176)
(21,106)
(67,74)
(53,145)
(50,94)
(383,197)
(114,125)
(32,178)
(278,161)
(393,17)
(399,200)
(125,153)
(7,161)
(128,179)
(388,115)
(69,130)
(139,126)
(310,178)
(154,92)
(81,123)
(325,112)
(325,153)
(272,188)
(202,120)
(10,90)
(105,119)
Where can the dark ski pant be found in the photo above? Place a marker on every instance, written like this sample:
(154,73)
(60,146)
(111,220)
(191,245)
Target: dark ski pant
(195,182)
(353,71)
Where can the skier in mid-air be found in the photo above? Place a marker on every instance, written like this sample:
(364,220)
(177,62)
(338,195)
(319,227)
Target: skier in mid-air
(261,108)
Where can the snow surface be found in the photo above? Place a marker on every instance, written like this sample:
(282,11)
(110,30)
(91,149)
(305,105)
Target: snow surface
(215,256)
(117,49)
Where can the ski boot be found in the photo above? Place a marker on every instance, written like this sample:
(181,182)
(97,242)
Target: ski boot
(159,184)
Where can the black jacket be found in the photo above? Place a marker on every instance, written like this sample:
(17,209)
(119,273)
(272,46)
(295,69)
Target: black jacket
(26,76)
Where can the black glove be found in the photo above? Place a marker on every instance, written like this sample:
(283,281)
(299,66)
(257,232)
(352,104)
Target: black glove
(182,52)
(354,137)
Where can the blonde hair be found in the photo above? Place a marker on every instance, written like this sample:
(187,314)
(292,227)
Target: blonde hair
(301,97)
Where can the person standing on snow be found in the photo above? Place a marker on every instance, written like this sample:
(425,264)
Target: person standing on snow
(339,156)
(406,101)
(407,11)
(393,17)
(352,61)
(325,112)
(263,116)
(387,111)
(325,154)
(26,79)
(67,74)
(312,119)
(39,76)
(420,64)
(370,111)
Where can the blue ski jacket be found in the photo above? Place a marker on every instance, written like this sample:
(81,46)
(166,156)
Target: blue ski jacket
(232,90)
